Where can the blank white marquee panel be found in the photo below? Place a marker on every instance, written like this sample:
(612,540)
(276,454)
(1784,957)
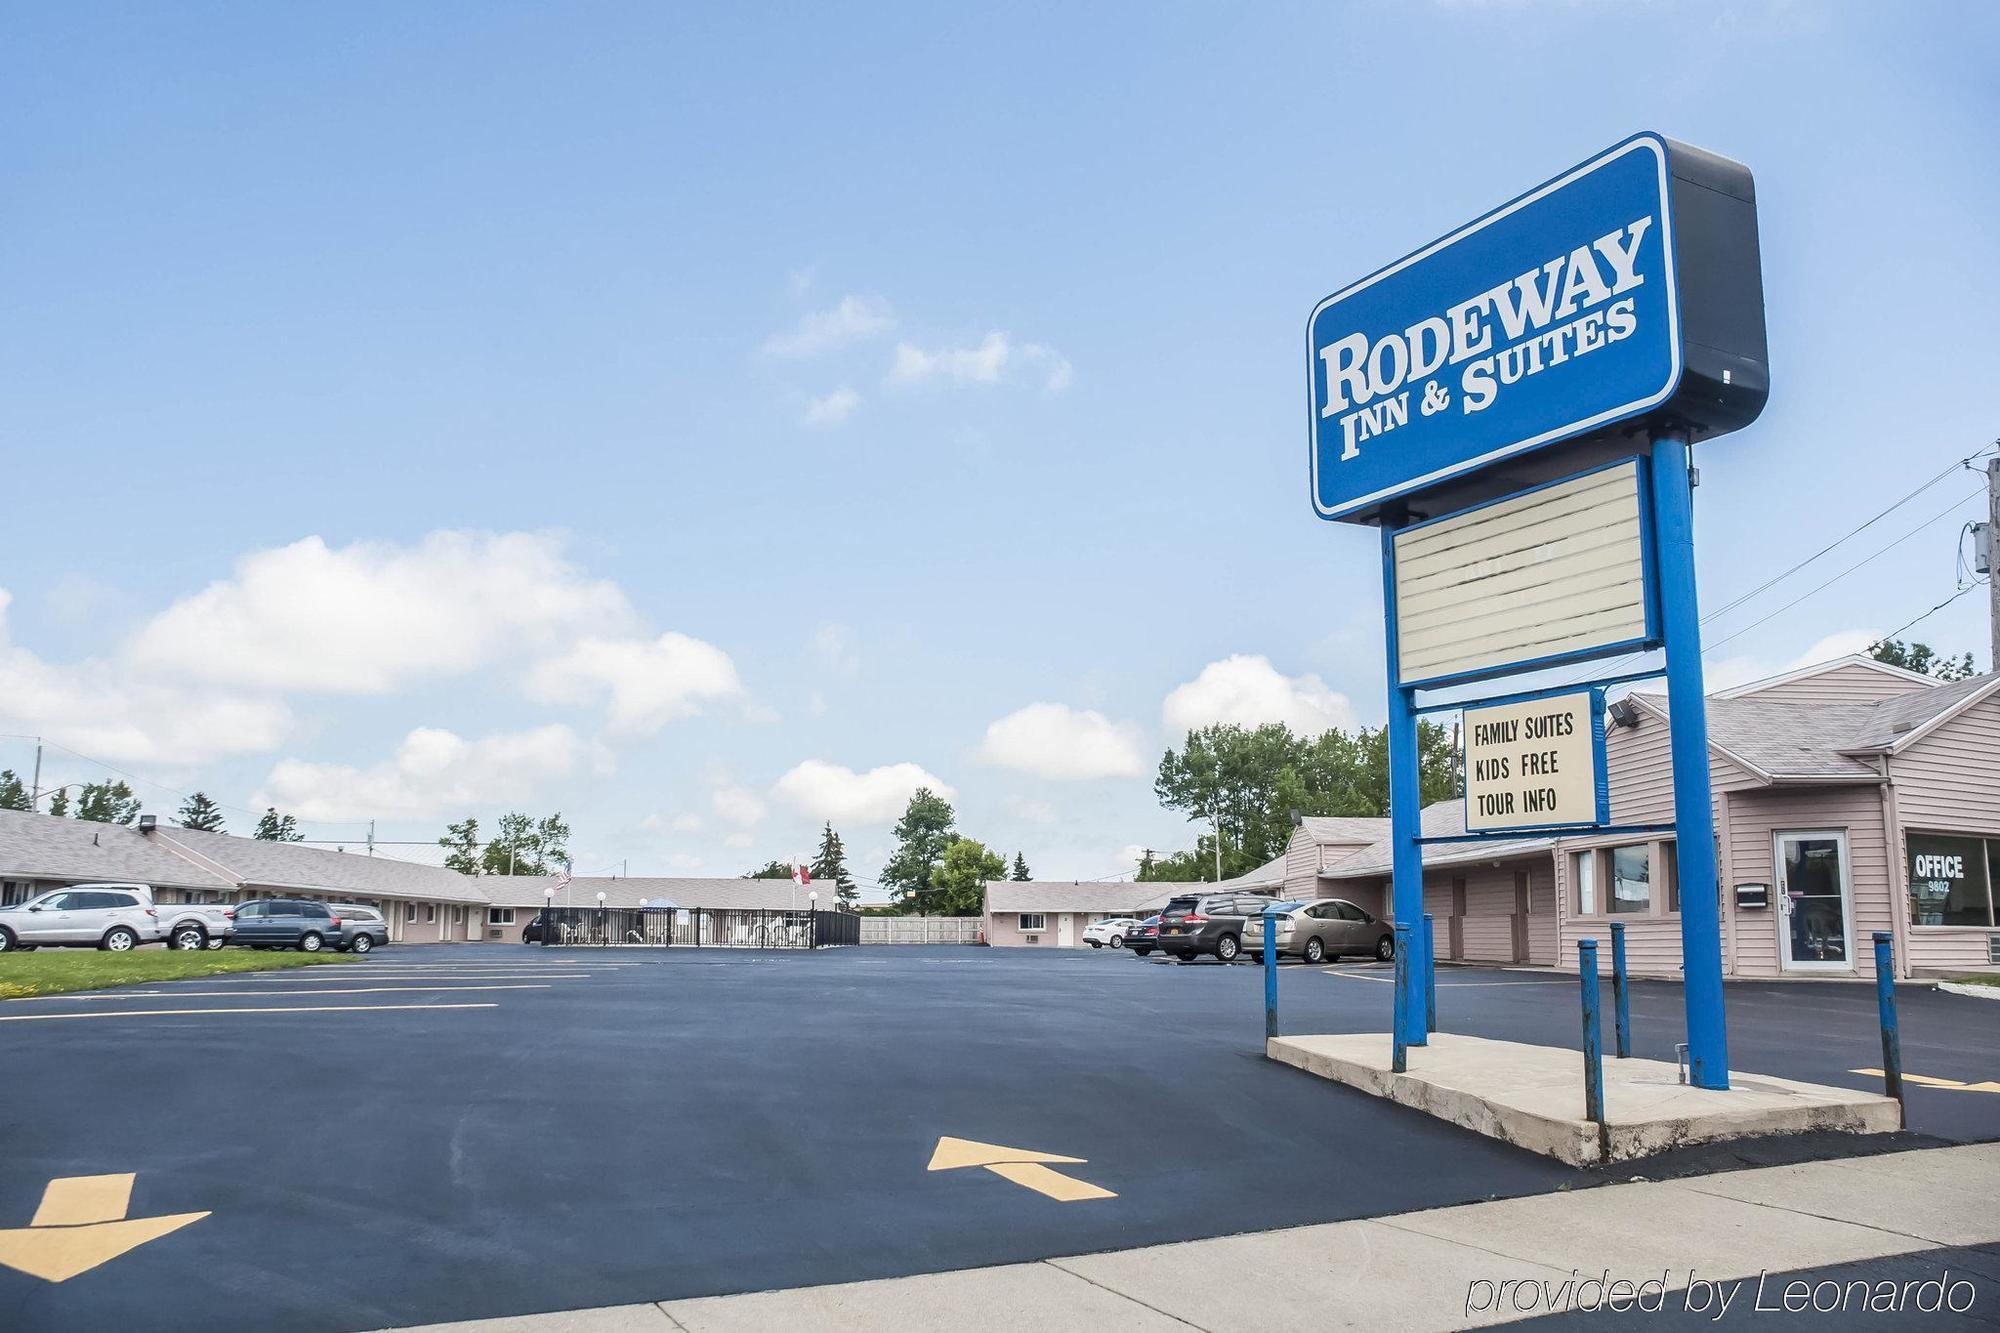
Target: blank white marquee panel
(1554,572)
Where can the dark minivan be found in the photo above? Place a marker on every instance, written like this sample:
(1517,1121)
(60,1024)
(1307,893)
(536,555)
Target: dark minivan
(286,923)
(1210,923)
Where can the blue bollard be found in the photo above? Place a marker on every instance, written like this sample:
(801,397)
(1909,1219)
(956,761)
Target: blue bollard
(1621,991)
(1892,1036)
(1430,976)
(1399,1055)
(1270,973)
(1593,1040)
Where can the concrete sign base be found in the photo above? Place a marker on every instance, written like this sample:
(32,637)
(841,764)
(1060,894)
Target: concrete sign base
(1532,1096)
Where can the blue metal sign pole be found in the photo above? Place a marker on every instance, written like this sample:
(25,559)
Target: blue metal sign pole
(1694,812)
(1405,826)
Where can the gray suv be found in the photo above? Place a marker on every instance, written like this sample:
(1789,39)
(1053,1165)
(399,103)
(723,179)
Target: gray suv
(362,929)
(1210,923)
(101,916)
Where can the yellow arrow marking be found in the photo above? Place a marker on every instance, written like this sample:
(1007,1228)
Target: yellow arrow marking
(81,1223)
(1023,1166)
(1925,1081)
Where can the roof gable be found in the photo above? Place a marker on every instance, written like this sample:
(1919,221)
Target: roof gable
(1900,679)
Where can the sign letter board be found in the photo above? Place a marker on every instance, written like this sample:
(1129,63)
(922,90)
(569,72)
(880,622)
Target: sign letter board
(1536,764)
(1555,574)
(1627,287)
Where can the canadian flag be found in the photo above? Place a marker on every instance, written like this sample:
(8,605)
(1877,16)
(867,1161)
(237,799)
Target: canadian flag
(801,876)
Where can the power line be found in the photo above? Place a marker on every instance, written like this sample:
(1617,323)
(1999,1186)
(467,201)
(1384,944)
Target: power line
(1708,648)
(1933,611)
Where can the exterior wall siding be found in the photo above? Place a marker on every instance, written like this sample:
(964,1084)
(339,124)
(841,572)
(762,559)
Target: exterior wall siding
(1945,783)
(1848,684)
(1755,818)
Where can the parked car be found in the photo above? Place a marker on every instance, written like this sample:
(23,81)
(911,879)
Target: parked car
(286,923)
(1144,936)
(362,929)
(1208,923)
(532,932)
(196,925)
(1110,931)
(102,916)
(1323,930)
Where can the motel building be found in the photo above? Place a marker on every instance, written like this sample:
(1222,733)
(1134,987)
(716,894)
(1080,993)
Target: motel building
(1850,797)
(420,904)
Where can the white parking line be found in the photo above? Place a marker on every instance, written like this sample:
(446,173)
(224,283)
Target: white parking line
(272,1009)
(210,994)
(1390,980)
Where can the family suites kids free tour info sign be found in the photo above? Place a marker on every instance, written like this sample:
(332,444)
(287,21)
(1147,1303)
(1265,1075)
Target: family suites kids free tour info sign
(1513,406)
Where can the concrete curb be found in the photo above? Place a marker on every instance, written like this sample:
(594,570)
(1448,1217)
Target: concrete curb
(1439,1269)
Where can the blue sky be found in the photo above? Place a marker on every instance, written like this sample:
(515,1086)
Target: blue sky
(708,420)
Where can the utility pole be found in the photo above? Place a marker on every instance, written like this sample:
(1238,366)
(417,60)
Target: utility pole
(35,788)
(371,837)
(1992,584)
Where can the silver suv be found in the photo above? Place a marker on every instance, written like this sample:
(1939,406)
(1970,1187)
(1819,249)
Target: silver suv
(104,916)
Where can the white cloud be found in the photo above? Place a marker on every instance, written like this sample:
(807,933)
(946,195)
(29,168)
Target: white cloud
(1249,691)
(832,409)
(739,806)
(1057,741)
(373,616)
(1732,671)
(855,318)
(740,841)
(987,363)
(648,683)
(1055,369)
(820,790)
(1031,811)
(833,647)
(432,773)
(111,712)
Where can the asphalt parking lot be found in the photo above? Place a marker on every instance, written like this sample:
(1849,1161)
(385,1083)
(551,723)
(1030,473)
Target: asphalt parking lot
(449,1133)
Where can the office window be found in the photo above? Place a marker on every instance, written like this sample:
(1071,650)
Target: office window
(499,916)
(1951,880)
(1583,866)
(1033,923)
(1620,881)
(1631,879)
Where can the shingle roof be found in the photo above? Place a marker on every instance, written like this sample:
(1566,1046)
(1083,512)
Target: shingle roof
(38,846)
(1895,720)
(1345,828)
(1443,819)
(1787,742)
(1272,872)
(254,863)
(634,891)
(1042,895)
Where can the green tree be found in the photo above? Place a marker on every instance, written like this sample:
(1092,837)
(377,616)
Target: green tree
(958,885)
(1181,867)
(774,870)
(274,827)
(1021,868)
(1922,659)
(13,794)
(460,843)
(925,830)
(1245,784)
(198,812)
(107,803)
(830,865)
(552,837)
(59,802)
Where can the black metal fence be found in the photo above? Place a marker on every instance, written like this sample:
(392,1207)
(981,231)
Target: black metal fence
(697,927)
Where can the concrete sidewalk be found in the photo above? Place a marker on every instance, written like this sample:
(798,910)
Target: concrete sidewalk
(1440,1269)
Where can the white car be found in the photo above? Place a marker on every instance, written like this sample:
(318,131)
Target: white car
(1111,931)
(101,916)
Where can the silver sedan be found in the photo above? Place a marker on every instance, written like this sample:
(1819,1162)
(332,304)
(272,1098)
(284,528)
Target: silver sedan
(1321,930)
